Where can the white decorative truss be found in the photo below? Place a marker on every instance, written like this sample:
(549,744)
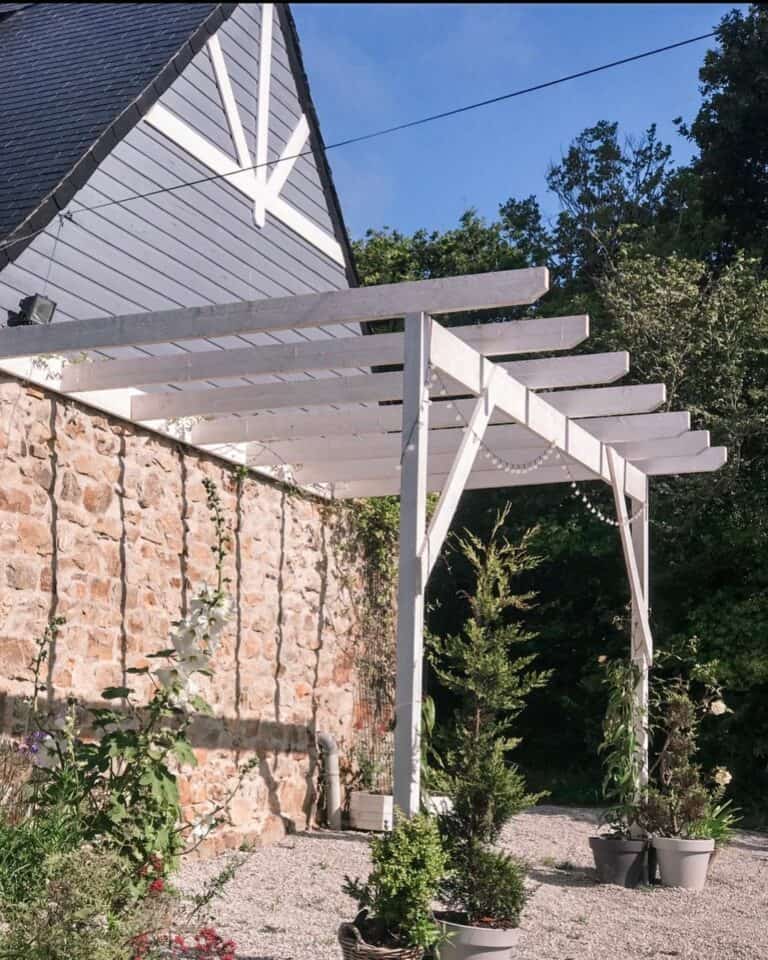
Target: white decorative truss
(257,180)
(445,422)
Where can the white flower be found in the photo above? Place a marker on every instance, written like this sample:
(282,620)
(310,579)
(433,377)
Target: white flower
(193,663)
(722,776)
(718,708)
(184,640)
(203,827)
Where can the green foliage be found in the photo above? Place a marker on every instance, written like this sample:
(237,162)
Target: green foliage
(732,163)
(490,887)
(408,864)
(609,192)
(82,914)
(620,750)
(26,848)
(677,801)
(482,668)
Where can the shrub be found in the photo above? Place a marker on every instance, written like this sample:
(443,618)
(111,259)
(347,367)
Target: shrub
(408,864)
(83,912)
(26,849)
(490,887)
(480,666)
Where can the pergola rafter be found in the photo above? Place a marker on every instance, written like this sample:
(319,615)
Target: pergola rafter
(318,408)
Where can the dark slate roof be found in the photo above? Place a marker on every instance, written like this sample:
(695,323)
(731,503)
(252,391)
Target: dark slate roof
(74,79)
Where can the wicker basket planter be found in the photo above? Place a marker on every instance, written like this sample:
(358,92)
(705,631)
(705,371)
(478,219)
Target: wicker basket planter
(353,947)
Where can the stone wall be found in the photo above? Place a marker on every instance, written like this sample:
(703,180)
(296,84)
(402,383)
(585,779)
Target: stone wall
(106,525)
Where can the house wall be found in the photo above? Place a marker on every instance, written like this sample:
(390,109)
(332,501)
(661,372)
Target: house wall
(197,245)
(105,524)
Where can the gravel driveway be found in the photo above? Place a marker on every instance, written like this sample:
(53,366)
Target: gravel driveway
(285,903)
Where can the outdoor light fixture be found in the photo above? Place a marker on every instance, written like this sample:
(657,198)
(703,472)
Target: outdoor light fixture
(35,309)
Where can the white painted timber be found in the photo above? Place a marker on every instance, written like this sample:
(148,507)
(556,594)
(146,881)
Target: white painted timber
(228,101)
(386,468)
(458,474)
(411,571)
(569,371)
(686,444)
(638,426)
(503,439)
(463,364)
(640,656)
(447,295)
(608,401)
(706,462)
(342,353)
(290,427)
(358,465)
(262,111)
(478,480)
(639,604)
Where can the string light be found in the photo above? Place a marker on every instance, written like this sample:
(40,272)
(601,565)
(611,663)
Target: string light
(520,469)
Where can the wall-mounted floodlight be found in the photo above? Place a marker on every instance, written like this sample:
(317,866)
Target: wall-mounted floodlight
(35,309)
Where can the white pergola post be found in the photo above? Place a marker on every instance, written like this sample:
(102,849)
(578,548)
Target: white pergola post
(634,542)
(410,593)
(641,655)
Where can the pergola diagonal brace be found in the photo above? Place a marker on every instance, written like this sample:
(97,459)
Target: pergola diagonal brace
(459,472)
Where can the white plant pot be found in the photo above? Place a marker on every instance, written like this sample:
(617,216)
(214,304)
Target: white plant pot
(683,863)
(477,943)
(370,811)
(438,805)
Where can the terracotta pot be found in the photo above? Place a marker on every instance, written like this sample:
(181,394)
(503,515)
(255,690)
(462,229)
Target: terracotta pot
(683,863)
(477,943)
(619,861)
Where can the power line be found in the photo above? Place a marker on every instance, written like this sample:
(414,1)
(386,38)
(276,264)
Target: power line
(410,124)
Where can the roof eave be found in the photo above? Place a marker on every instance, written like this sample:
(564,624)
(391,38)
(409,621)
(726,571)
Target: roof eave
(57,199)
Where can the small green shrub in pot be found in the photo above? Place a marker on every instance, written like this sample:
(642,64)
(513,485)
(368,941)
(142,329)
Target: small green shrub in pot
(395,902)
(487,668)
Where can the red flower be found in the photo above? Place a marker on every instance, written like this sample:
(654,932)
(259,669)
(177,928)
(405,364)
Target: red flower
(157,886)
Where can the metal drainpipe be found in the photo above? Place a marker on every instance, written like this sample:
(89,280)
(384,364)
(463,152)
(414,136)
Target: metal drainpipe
(332,783)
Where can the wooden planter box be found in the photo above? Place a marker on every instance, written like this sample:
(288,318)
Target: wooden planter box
(370,811)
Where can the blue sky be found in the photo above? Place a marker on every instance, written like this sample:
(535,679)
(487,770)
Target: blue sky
(372,65)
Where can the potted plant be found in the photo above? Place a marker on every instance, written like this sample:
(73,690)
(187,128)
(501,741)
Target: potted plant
(485,889)
(684,816)
(369,809)
(395,921)
(621,855)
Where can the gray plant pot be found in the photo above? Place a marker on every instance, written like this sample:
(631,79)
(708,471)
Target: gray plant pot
(683,863)
(477,943)
(621,862)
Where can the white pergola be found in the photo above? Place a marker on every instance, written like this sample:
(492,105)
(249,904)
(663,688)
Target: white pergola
(314,406)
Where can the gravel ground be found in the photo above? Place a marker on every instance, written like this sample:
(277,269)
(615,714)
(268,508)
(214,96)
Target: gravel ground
(285,902)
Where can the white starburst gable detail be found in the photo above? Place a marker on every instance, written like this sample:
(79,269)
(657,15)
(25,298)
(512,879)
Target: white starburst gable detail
(251,176)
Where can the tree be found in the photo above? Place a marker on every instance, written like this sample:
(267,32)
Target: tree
(729,131)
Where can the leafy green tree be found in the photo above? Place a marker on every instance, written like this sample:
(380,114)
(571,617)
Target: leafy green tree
(729,131)
(609,192)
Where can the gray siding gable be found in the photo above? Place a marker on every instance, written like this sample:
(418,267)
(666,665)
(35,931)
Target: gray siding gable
(199,244)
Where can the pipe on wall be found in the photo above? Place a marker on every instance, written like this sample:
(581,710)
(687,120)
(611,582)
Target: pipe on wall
(332,780)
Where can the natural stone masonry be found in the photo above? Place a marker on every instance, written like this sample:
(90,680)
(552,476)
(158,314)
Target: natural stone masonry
(106,524)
